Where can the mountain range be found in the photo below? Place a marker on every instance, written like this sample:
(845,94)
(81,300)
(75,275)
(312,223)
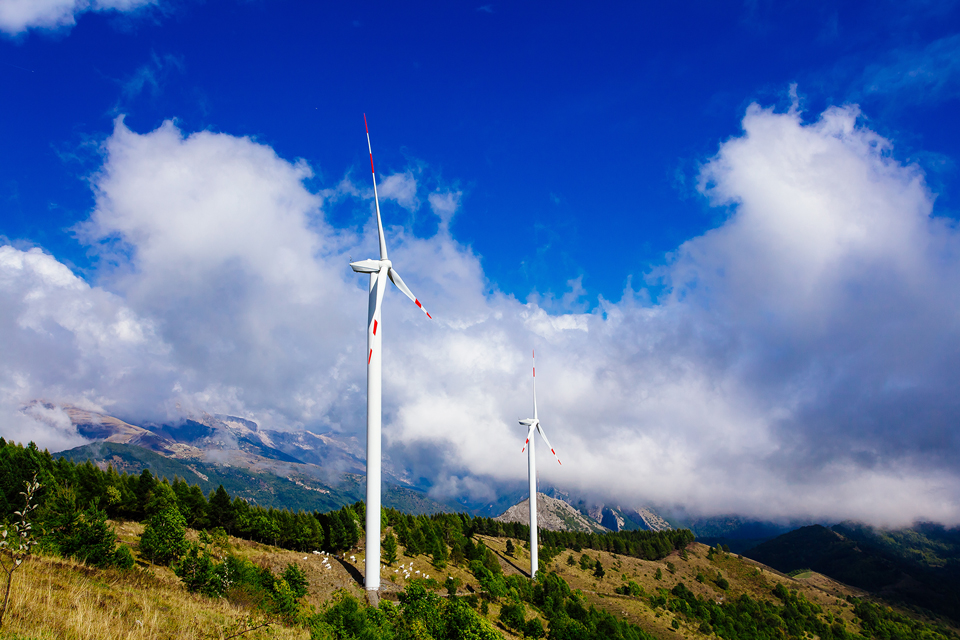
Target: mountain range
(303,469)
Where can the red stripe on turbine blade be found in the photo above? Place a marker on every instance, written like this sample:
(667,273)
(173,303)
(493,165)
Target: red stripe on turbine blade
(371,165)
(374,327)
(365,123)
(534,372)
(369,356)
(553,452)
(428,315)
(418,303)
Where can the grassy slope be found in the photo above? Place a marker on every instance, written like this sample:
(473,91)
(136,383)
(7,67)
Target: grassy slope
(54,598)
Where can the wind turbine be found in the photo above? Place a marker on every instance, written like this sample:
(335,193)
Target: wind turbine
(534,424)
(379,271)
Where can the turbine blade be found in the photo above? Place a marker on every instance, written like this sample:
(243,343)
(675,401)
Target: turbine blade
(534,385)
(376,197)
(397,280)
(529,435)
(376,302)
(544,436)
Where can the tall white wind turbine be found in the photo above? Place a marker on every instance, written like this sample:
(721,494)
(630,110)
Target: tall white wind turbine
(379,271)
(534,424)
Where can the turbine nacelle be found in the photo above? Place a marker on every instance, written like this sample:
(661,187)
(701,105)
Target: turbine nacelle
(366,266)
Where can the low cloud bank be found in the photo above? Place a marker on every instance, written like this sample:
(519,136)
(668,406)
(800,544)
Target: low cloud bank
(802,361)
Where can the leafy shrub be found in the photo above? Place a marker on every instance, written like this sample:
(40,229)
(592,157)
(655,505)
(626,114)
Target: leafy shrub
(83,535)
(513,616)
(296,579)
(164,538)
(630,589)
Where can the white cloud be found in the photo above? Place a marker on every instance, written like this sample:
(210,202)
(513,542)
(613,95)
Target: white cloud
(18,16)
(917,75)
(445,204)
(801,362)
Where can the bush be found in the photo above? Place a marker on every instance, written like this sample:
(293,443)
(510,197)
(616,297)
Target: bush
(534,628)
(296,579)
(452,584)
(164,538)
(513,616)
(630,589)
(85,535)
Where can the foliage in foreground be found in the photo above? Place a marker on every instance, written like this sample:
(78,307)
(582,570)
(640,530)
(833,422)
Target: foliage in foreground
(420,614)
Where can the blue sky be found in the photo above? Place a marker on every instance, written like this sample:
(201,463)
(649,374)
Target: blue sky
(731,226)
(574,133)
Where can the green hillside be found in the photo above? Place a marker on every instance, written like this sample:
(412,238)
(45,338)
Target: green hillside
(902,566)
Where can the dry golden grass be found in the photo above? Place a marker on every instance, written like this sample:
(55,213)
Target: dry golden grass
(56,598)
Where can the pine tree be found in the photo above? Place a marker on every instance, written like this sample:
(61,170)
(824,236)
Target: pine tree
(598,569)
(390,548)
(164,537)
(220,509)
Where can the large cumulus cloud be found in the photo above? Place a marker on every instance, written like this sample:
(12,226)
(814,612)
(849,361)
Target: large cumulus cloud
(801,360)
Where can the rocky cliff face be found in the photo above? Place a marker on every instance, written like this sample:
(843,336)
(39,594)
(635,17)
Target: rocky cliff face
(552,514)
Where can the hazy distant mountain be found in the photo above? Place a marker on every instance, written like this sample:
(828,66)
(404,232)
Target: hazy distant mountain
(234,441)
(297,490)
(273,468)
(552,514)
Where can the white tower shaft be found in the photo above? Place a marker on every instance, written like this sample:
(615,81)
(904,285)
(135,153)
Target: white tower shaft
(374,379)
(532,471)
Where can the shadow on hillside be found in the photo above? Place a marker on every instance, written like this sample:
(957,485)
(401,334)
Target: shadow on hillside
(509,560)
(352,570)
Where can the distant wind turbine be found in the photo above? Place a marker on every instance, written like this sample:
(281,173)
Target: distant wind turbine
(379,271)
(534,424)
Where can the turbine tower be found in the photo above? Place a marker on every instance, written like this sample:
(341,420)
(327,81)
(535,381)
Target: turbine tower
(534,424)
(379,271)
